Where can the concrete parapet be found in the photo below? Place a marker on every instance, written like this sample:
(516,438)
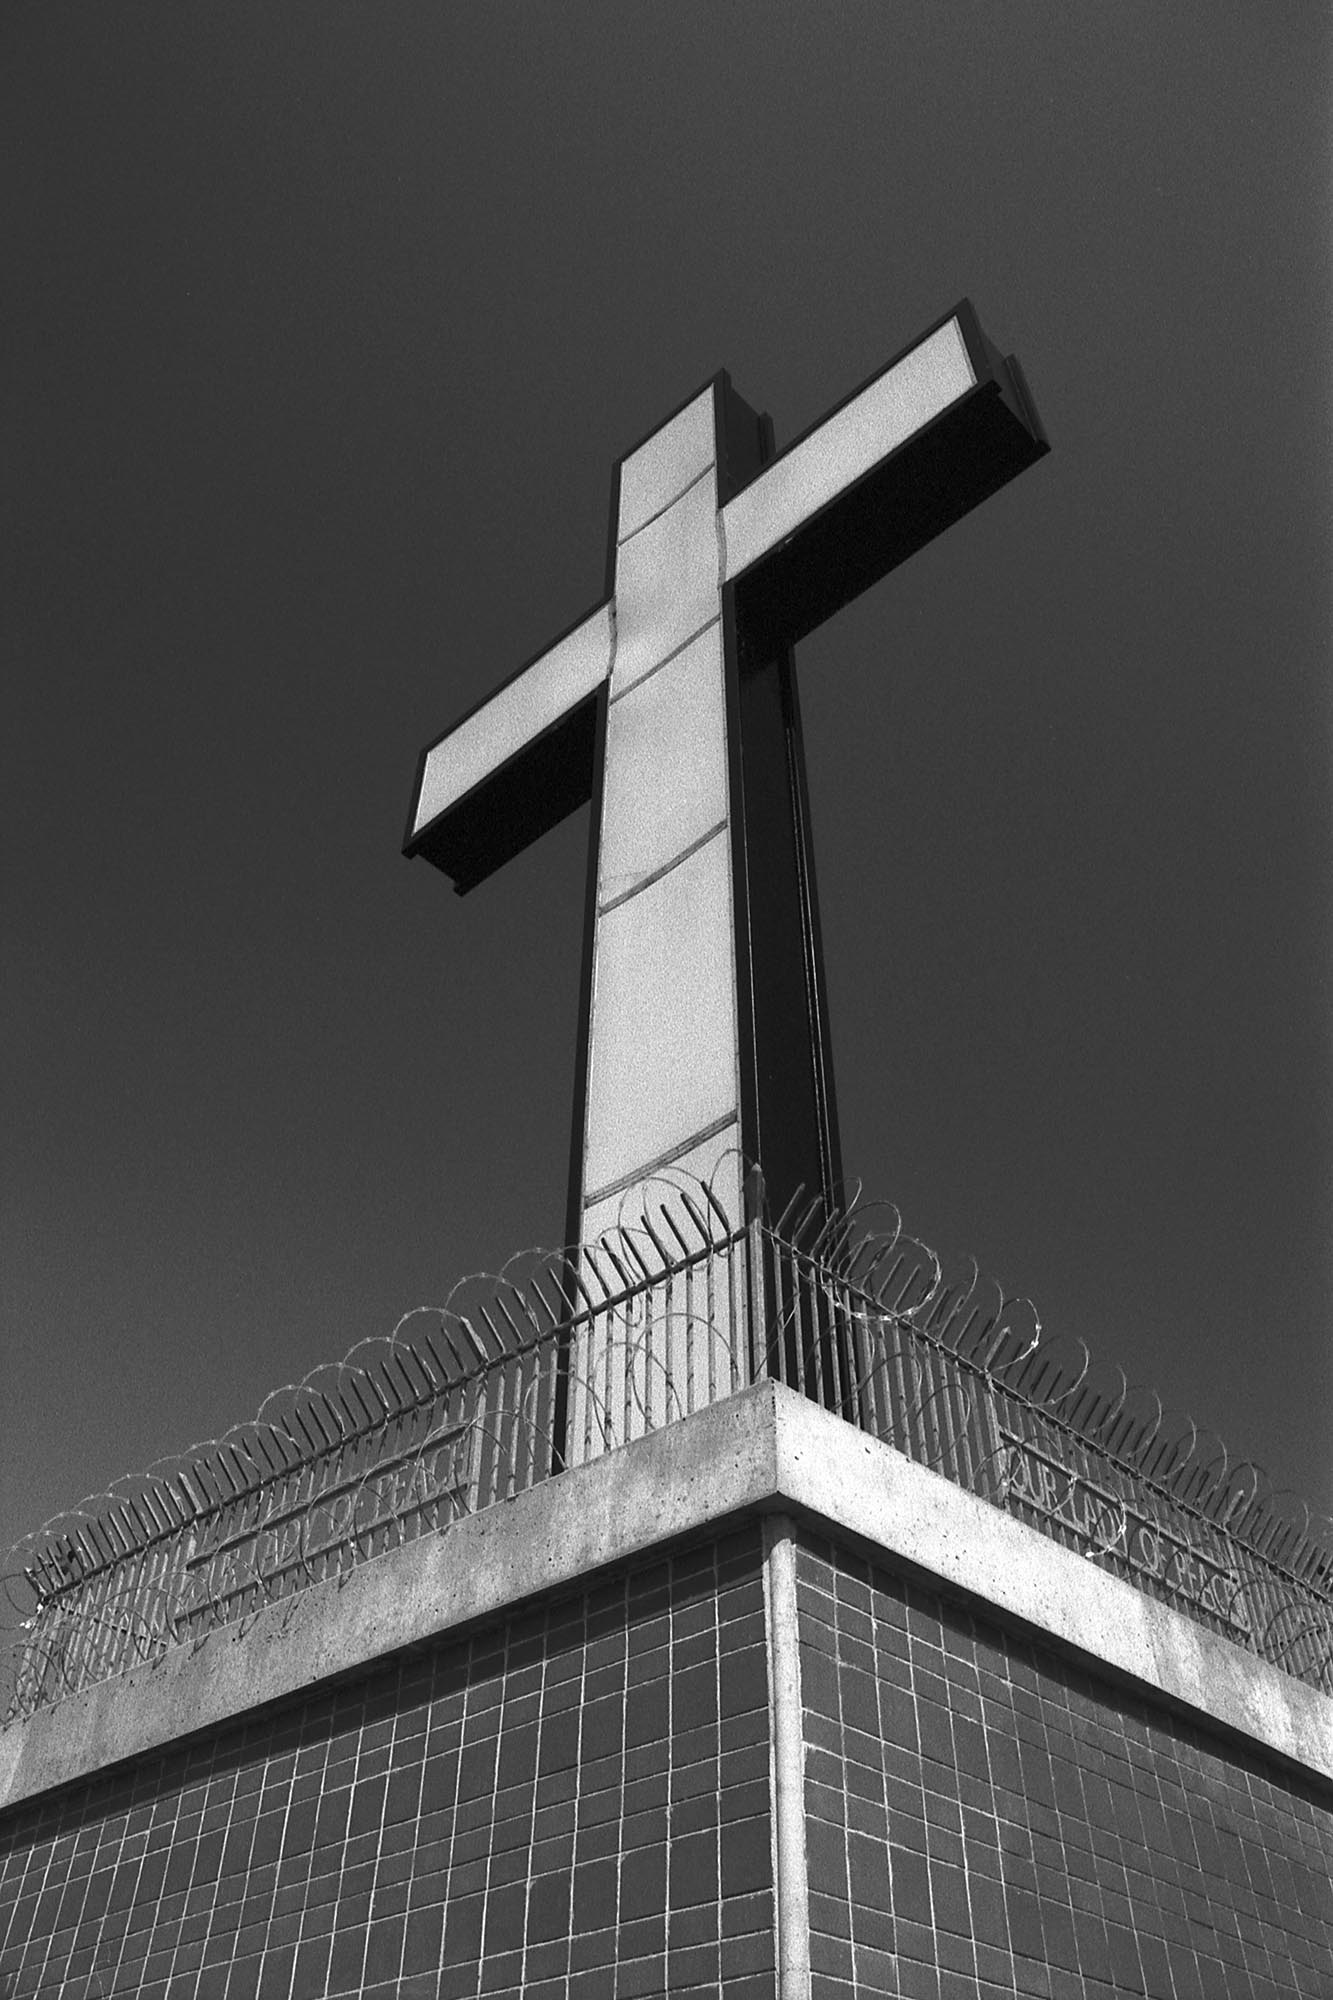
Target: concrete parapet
(762,1450)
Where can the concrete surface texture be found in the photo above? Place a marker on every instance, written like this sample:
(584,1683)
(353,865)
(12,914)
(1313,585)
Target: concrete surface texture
(764,1450)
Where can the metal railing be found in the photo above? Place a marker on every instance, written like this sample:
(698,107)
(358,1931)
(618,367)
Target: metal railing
(959,1377)
(567,1356)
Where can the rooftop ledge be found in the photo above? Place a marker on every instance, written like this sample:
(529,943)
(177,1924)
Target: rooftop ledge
(766,1448)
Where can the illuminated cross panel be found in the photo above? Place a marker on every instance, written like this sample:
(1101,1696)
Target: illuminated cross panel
(673,705)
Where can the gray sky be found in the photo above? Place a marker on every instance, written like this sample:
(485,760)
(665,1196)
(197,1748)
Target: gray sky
(326,324)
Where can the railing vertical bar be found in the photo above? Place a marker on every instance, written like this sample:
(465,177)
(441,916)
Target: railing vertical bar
(607,1435)
(735,1325)
(791,1320)
(512,1374)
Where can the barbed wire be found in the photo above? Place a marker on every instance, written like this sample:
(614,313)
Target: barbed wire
(1146,1492)
(692,1293)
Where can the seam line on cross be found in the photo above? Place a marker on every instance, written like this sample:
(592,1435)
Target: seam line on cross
(667,505)
(721,520)
(661,1160)
(646,882)
(665,660)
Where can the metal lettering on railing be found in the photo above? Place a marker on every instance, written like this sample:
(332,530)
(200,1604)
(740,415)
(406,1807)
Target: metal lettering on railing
(1106,1524)
(362,1514)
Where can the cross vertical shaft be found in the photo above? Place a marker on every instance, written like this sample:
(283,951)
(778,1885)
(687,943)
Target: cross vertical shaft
(673,704)
(707,1043)
(693,753)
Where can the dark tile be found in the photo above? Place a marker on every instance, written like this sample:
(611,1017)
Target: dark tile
(594,1905)
(694,1876)
(745,1856)
(643,1883)
(462,1928)
(743,1679)
(548,1912)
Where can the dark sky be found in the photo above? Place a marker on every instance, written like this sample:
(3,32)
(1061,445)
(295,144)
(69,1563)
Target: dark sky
(324,326)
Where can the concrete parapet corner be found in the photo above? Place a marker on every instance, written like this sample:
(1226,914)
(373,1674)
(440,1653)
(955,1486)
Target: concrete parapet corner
(765,1448)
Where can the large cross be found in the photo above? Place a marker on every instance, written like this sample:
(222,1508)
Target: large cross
(673,706)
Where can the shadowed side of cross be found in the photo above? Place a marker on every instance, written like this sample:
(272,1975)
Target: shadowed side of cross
(673,706)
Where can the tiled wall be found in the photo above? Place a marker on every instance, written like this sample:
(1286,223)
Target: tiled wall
(986,1820)
(491,1818)
(487,1818)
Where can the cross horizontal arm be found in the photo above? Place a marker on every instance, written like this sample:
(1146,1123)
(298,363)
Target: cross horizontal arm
(917,447)
(517,763)
(929,438)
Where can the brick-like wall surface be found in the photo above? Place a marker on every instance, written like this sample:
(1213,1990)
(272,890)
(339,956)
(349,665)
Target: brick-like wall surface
(490,1818)
(986,1820)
